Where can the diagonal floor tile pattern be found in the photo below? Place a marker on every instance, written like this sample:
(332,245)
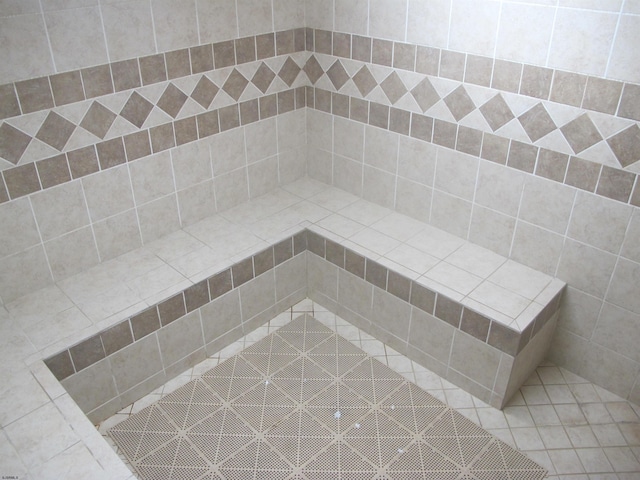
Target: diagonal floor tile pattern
(306,403)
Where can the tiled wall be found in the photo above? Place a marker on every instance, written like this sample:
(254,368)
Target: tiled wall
(512,125)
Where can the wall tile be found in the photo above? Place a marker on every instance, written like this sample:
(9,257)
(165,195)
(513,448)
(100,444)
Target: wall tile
(151,178)
(616,331)
(67,88)
(456,173)
(22,180)
(60,210)
(623,289)
(254,17)
(585,267)
(128,28)
(536,247)
(473,26)
(451,214)
(525,33)
(599,222)
(35,273)
(574,47)
(19,227)
(158,218)
(319,14)
(175,24)
(492,230)
(108,193)
(117,235)
(231,189)
(352,16)
(33,58)
(196,202)
(92,386)
(135,363)
(485,361)
(180,338)
(388,19)
(83,161)
(77,40)
(428,22)
(547,204)
(217,20)
(72,253)
(287,14)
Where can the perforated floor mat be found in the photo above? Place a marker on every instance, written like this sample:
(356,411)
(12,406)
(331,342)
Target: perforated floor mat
(304,403)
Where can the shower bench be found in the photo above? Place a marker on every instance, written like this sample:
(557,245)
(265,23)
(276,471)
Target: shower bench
(476,318)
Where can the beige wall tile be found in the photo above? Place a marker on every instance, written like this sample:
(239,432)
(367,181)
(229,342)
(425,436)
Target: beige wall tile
(263,176)
(428,22)
(158,218)
(379,187)
(180,338)
(352,16)
(228,152)
(380,149)
(19,230)
(77,38)
(547,204)
(136,362)
(451,214)
(456,173)
(474,359)
(586,268)
(60,210)
(525,32)
(499,188)
(536,247)
(288,14)
(129,29)
(32,58)
(34,273)
(175,24)
(624,285)
(72,253)
(492,230)
(117,235)
(254,17)
(217,20)
(473,26)
(108,192)
(319,14)
(388,19)
(624,63)
(196,202)
(262,140)
(616,330)
(581,41)
(152,178)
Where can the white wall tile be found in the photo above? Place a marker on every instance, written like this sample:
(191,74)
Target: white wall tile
(217,20)
(77,38)
(625,57)
(254,17)
(352,16)
(474,25)
(428,22)
(582,40)
(175,24)
(525,33)
(388,19)
(129,29)
(29,55)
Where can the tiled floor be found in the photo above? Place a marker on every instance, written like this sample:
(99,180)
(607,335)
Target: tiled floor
(575,429)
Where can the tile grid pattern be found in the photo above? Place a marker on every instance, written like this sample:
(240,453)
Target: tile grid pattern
(602,180)
(619,148)
(306,402)
(575,429)
(507,338)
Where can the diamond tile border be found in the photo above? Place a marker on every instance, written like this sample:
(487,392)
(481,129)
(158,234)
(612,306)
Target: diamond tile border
(305,413)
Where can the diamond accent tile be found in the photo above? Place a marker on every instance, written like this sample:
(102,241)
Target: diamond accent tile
(581,133)
(313,69)
(204,92)
(393,87)
(496,112)
(55,131)
(626,145)
(172,100)
(137,109)
(459,103)
(537,122)
(13,143)
(289,71)
(364,81)
(305,399)
(98,120)
(337,74)
(235,84)
(425,95)
(263,77)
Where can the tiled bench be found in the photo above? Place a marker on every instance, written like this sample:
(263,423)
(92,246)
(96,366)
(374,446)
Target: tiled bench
(117,332)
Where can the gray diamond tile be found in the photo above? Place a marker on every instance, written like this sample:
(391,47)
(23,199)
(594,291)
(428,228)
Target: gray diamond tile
(13,143)
(137,109)
(393,87)
(459,103)
(626,145)
(55,131)
(537,122)
(172,100)
(313,69)
(338,75)
(496,112)
(289,71)
(98,119)
(425,95)
(581,133)
(235,84)
(205,92)
(263,77)
(364,81)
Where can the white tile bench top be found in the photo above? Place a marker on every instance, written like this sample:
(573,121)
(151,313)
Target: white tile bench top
(47,321)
